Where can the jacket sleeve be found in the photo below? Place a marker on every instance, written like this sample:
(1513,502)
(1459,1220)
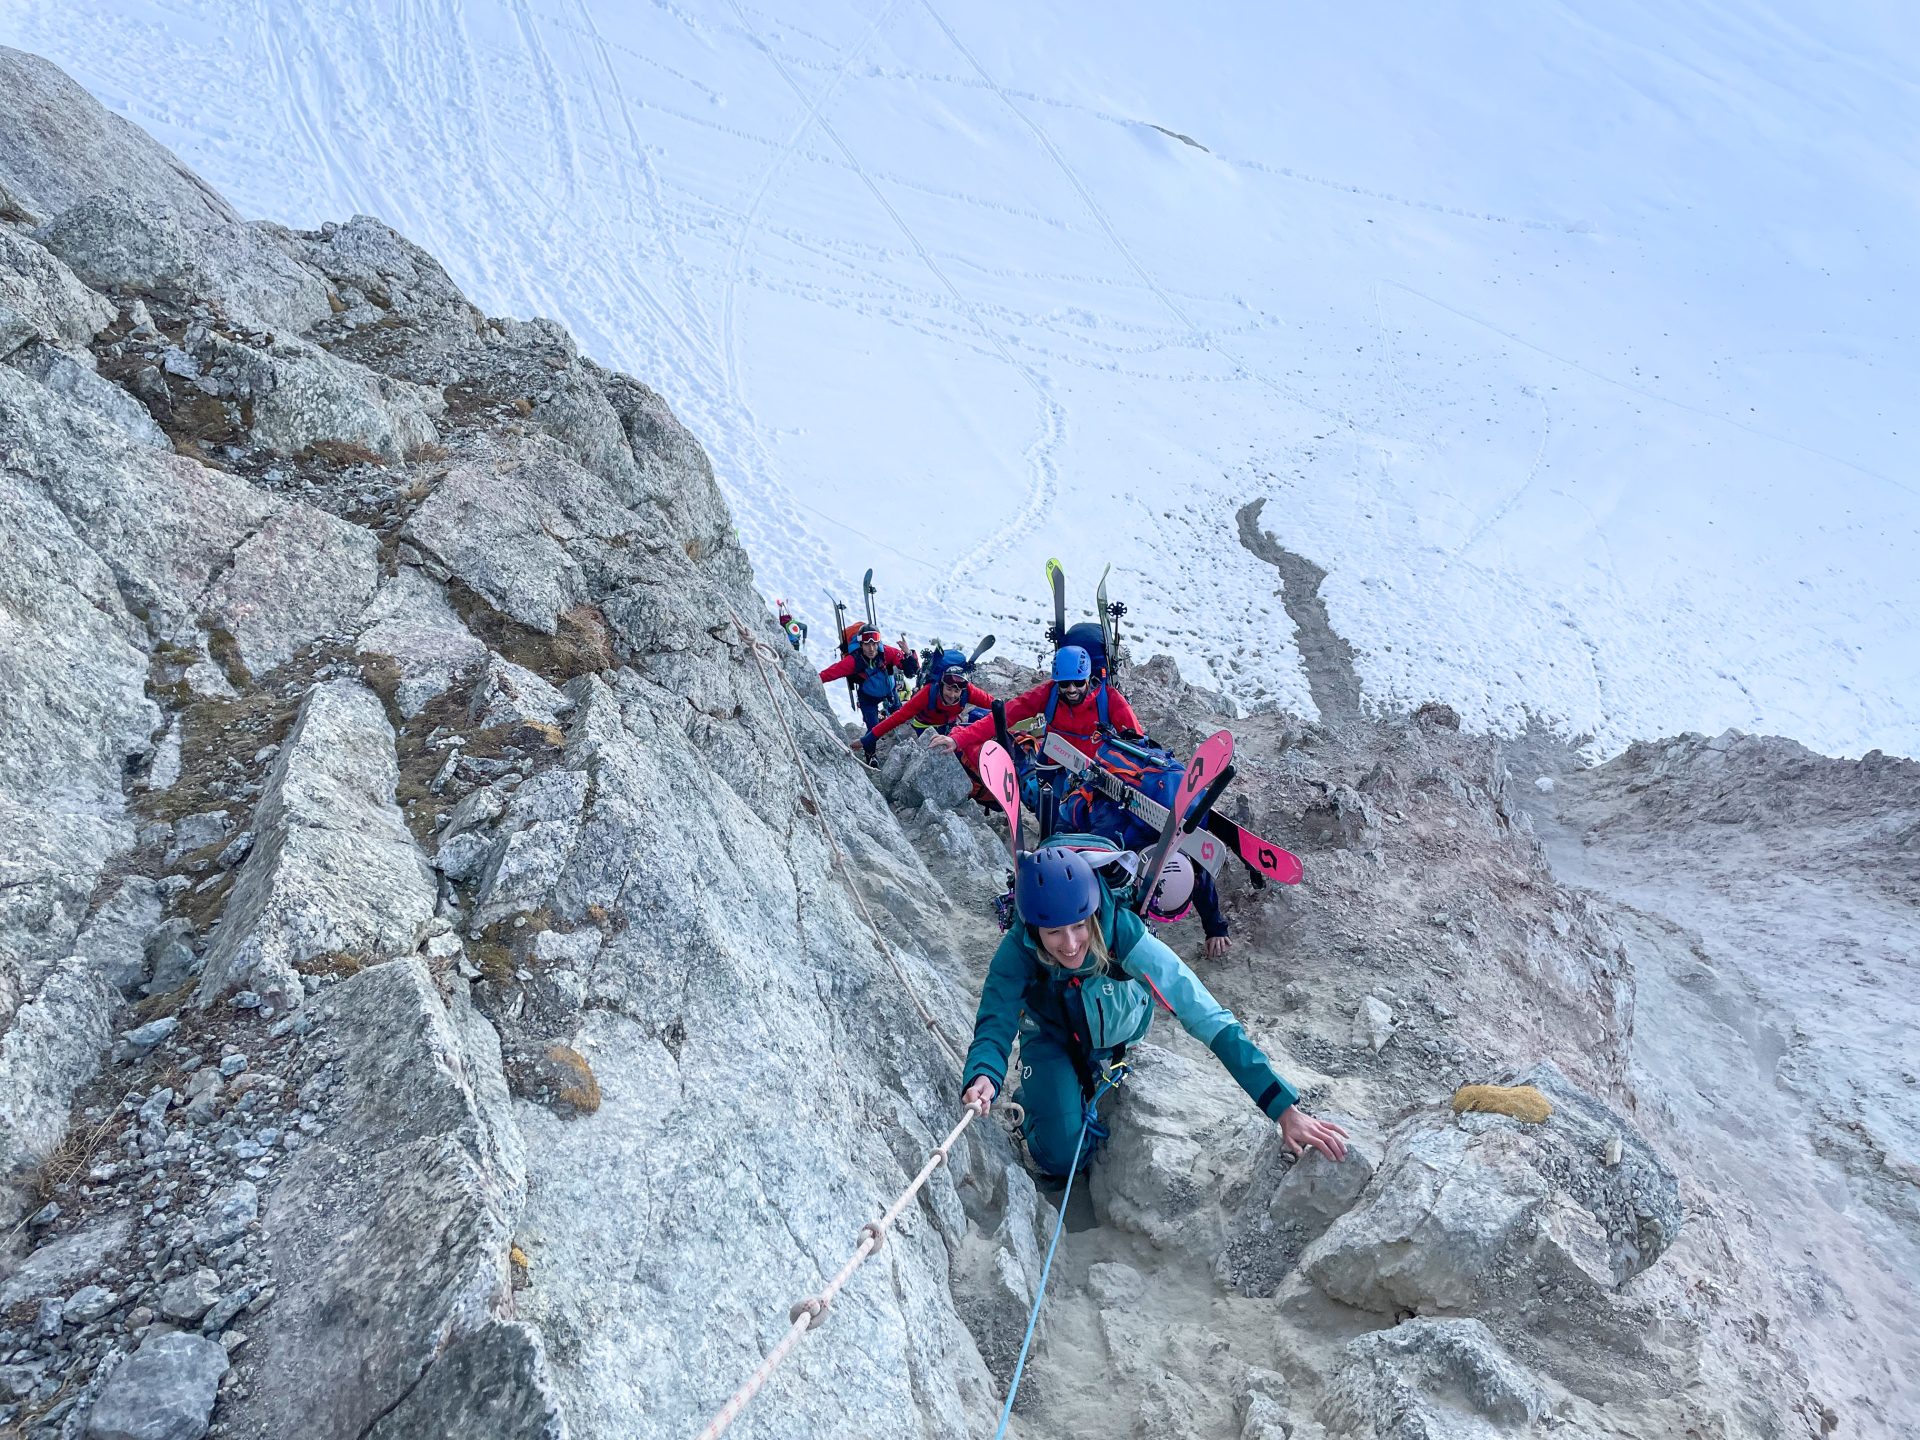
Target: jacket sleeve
(916,705)
(1211,1023)
(1206,899)
(994,1023)
(969,738)
(977,696)
(907,664)
(840,667)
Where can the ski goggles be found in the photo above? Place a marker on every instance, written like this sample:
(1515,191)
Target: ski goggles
(953,680)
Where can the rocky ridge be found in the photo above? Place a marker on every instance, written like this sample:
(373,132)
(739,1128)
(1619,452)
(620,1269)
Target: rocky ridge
(432,1003)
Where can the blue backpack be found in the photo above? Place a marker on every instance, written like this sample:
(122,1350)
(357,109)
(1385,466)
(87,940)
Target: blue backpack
(877,683)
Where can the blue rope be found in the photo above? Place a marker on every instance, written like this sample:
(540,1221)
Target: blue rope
(1089,1121)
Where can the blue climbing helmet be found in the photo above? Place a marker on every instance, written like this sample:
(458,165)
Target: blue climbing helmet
(1071,662)
(1055,886)
(1092,639)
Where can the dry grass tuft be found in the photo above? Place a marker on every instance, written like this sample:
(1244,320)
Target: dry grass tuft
(1523,1102)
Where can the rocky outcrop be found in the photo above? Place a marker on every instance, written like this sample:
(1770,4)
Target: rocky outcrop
(1476,1214)
(333,869)
(388,1235)
(53,1045)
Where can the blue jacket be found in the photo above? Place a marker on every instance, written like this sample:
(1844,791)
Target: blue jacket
(1019,983)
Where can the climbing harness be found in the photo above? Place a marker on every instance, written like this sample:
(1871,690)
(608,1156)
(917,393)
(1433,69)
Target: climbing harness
(1089,1124)
(810,1312)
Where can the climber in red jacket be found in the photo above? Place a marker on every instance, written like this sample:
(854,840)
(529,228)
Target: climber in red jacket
(1073,703)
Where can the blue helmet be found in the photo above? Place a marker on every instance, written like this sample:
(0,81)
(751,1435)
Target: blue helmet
(1070,662)
(1055,886)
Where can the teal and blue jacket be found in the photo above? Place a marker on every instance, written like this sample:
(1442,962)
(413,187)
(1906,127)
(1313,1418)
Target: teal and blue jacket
(1020,986)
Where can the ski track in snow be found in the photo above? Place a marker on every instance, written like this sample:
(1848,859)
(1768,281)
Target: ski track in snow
(940,296)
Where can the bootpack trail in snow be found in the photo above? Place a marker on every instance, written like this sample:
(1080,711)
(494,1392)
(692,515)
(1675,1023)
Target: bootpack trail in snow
(1323,650)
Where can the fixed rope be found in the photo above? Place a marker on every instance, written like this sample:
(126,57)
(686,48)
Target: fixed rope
(760,652)
(1090,1120)
(808,1313)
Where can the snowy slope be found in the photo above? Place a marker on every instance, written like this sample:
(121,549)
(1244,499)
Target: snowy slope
(1576,342)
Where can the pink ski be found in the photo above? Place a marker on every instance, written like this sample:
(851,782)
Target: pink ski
(998,775)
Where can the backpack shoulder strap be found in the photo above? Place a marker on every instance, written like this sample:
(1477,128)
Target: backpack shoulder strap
(1053,699)
(1100,706)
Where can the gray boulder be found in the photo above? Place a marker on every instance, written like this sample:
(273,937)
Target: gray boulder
(1290,1205)
(421,320)
(522,531)
(1470,1212)
(1429,1380)
(388,1234)
(997,1272)
(915,774)
(410,621)
(165,1391)
(42,299)
(532,845)
(333,867)
(77,380)
(58,144)
(508,694)
(1182,1152)
(114,238)
(113,940)
(73,670)
(303,396)
(61,1263)
(184,543)
(53,1046)
(490,1385)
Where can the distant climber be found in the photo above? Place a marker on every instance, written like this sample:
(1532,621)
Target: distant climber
(1078,978)
(796,629)
(873,666)
(947,699)
(1077,701)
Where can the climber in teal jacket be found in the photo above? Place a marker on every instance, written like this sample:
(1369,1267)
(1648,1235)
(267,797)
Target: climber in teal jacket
(1079,980)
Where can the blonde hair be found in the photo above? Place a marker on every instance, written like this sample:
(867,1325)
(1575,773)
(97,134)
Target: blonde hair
(1097,952)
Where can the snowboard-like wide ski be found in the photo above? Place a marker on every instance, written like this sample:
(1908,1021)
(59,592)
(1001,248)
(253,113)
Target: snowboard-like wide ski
(1057,582)
(1267,860)
(1206,771)
(1003,783)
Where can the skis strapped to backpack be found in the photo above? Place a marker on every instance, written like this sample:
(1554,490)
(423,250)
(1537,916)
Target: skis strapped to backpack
(840,639)
(866,593)
(1266,860)
(1057,583)
(1208,769)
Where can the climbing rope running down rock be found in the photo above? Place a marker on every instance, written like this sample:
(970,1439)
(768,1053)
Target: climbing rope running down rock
(812,1310)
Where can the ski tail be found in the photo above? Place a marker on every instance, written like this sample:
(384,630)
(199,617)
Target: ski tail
(1057,583)
(866,593)
(1003,783)
(979,650)
(840,647)
(1211,757)
(1265,858)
